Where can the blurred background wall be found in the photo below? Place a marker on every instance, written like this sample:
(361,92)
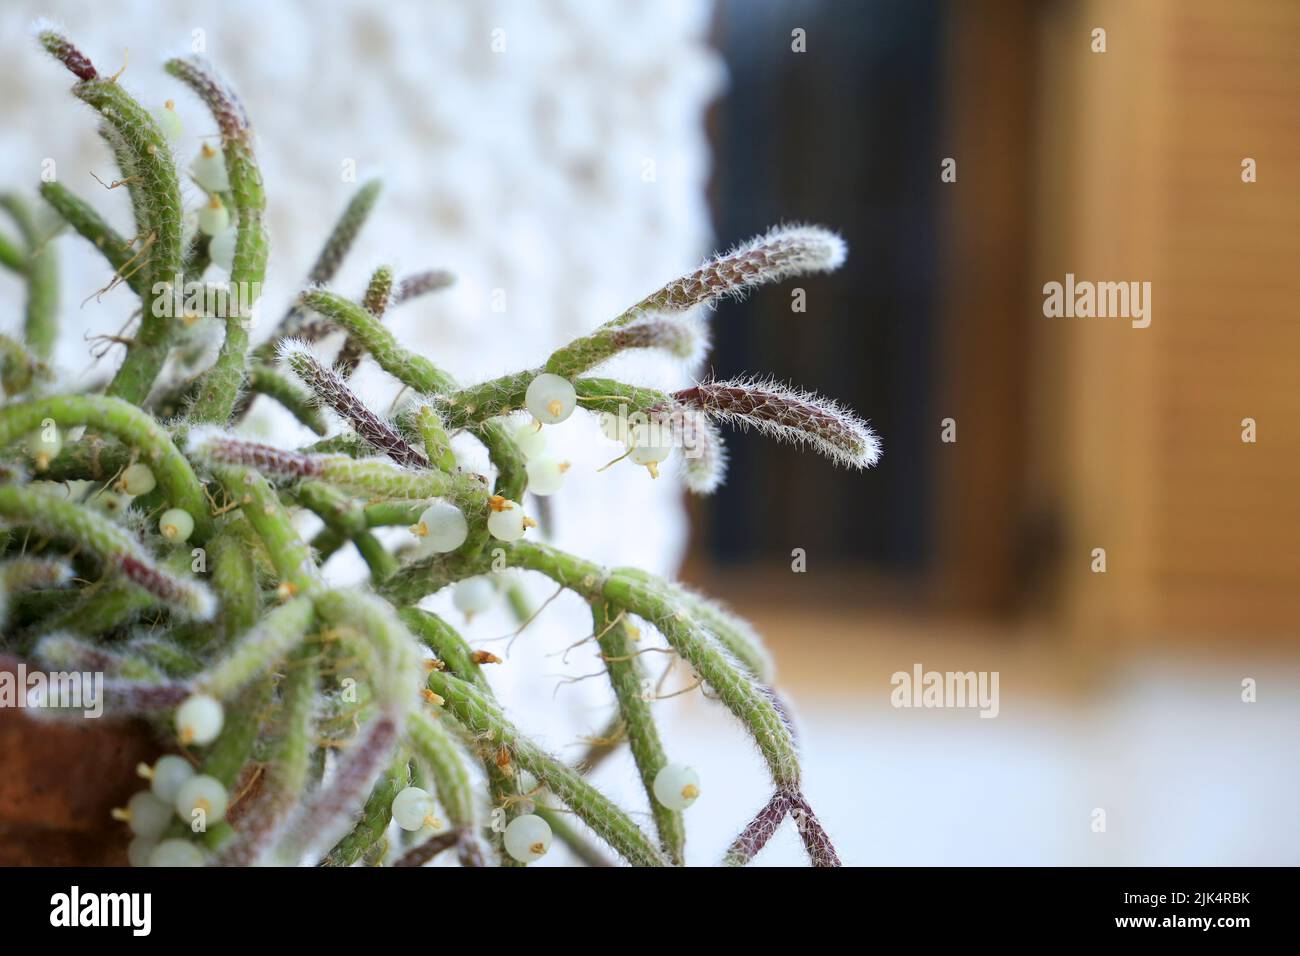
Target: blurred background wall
(1120,690)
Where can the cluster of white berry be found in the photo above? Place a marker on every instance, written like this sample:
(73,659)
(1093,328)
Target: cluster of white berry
(174,790)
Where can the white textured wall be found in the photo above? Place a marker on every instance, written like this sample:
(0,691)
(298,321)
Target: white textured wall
(521,170)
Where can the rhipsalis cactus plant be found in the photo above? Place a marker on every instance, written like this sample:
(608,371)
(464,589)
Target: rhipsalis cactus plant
(144,538)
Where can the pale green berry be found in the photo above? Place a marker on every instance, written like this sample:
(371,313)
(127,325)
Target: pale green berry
(137,480)
(209,170)
(199,719)
(413,809)
(527,838)
(111,504)
(650,446)
(614,427)
(176,853)
(506,521)
(442,527)
(205,793)
(167,775)
(44,446)
(138,850)
(169,121)
(473,595)
(221,248)
(214,218)
(527,782)
(147,815)
(546,475)
(176,525)
(676,786)
(550,398)
(530,438)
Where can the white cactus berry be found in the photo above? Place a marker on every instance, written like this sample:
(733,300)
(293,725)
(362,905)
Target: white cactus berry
(530,438)
(137,480)
(44,446)
(413,809)
(209,169)
(550,398)
(147,815)
(506,521)
(138,851)
(527,782)
(167,776)
(176,525)
(169,121)
(199,719)
(205,793)
(545,475)
(214,218)
(527,838)
(614,427)
(650,444)
(473,595)
(111,504)
(176,853)
(442,527)
(677,786)
(221,248)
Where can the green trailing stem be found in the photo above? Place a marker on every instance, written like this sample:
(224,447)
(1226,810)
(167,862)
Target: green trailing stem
(62,651)
(246,712)
(111,603)
(748,700)
(409,368)
(41,269)
(634,705)
(481,717)
(395,664)
(146,160)
(347,519)
(437,750)
(219,388)
(447,644)
(290,555)
(264,380)
(433,435)
(130,425)
(751,704)
(735,634)
(12,255)
(381,514)
(134,428)
(381,478)
(378,294)
(111,544)
(261,649)
(234,578)
(18,367)
(367,838)
(293,750)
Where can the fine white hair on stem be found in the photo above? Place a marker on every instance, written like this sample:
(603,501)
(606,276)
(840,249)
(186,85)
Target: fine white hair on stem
(685,337)
(211,444)
(782,252)
(702,460)
(788,414)
(330,389)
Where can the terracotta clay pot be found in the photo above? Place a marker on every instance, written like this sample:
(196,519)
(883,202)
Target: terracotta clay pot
(60,780)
